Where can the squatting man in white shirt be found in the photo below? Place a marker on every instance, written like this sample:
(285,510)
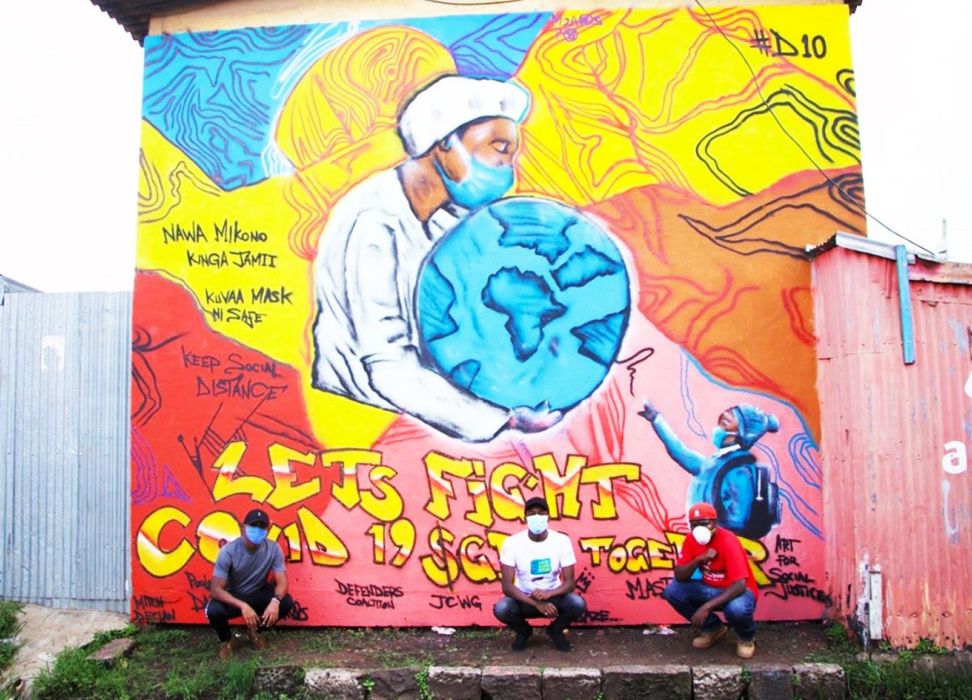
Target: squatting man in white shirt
(461,136)
(538,579)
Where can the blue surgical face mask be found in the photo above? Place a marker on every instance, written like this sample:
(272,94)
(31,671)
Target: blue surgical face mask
(483,183)
(719,434)
(537,524)
(254,534)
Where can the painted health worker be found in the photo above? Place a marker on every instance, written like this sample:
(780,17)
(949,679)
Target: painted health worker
(461,135)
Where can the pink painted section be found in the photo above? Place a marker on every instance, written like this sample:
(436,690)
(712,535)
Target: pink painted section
(896,491)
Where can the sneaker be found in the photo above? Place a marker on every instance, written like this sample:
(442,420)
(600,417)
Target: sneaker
(519,644)
(708,639)
(559,639)
(259,643)
(745,650)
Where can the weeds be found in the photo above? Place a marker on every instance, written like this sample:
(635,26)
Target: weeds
(900,679)
(165,663)
(73,676)
(422,678)
(368,683)
(8,630)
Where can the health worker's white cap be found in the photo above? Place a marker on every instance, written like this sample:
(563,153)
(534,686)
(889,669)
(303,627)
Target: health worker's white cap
(451,101)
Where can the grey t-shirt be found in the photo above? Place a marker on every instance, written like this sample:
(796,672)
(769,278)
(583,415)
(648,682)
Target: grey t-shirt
(245,571)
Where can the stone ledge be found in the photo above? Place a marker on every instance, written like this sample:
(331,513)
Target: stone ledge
(675,681)
(279,679)
(770,682)
(512,683)
(334,683)
(455,682)
(645,682)
(571,683)
(112,651)
(717,682)
(819,681)
(954,663)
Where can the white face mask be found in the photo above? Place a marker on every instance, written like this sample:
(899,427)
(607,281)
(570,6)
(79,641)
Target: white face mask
(702,534)
(537,524)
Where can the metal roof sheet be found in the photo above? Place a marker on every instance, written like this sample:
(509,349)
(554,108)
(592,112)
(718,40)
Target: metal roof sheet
(134,15)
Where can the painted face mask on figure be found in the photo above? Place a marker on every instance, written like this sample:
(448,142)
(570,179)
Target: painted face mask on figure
(482,184)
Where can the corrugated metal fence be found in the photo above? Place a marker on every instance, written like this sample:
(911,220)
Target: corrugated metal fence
(895,443)
(64,449)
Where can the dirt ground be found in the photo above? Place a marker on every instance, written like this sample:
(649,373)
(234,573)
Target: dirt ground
(776,643)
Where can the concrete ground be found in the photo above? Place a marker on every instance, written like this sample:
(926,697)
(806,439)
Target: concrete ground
(45,632)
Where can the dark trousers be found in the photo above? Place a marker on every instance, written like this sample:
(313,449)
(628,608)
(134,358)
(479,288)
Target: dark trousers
(514,614)
(219,614)
(687,597)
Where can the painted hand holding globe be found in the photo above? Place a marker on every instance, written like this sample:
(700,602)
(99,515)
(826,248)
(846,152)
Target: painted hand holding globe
(534,420)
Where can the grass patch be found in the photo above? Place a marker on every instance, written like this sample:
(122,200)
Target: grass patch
(900,679)
(8,630)
(477,633)
(165,663)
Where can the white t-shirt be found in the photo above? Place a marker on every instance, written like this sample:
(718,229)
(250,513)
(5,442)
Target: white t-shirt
(537,564)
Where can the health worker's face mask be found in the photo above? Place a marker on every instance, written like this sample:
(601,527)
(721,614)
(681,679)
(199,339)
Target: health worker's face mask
(537,524)
(255,535)
(702,534)
(483,183)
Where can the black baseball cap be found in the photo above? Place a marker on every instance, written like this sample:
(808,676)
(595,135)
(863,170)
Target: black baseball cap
(534,502)
(257,517)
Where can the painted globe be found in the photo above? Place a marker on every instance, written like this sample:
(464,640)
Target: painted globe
(525,301)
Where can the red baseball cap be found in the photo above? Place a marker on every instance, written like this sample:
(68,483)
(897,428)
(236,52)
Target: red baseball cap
(702,511)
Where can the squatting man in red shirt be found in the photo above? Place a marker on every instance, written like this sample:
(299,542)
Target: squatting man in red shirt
(241,584)
(727,583)
(538,579)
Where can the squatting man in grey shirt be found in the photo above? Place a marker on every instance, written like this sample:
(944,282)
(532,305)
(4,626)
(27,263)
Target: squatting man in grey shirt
(241,584)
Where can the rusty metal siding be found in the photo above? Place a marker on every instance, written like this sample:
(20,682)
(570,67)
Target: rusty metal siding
(892,513)
(64,446)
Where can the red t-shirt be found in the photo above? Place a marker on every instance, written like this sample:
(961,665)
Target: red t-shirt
(730,564)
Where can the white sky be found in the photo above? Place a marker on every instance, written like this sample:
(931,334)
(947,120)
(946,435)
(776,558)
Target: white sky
(71,109)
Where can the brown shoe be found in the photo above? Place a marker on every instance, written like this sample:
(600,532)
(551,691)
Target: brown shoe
(745,650)
(225,650)
(708,639)
(259,643)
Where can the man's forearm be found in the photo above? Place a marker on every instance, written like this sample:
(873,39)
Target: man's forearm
(515,593)
(684,573)
(224,596)
(563,589)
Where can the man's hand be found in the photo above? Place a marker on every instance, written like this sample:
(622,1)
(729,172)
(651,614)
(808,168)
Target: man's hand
(540,595)
(250,617)
(648,412)
(530,420)
(547,609)
(700,616)
(707,556)
(271,614)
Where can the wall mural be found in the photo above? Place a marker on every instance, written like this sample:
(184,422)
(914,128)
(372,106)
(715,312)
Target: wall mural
(396,277)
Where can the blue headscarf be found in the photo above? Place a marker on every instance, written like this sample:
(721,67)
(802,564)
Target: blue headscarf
(753,424)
